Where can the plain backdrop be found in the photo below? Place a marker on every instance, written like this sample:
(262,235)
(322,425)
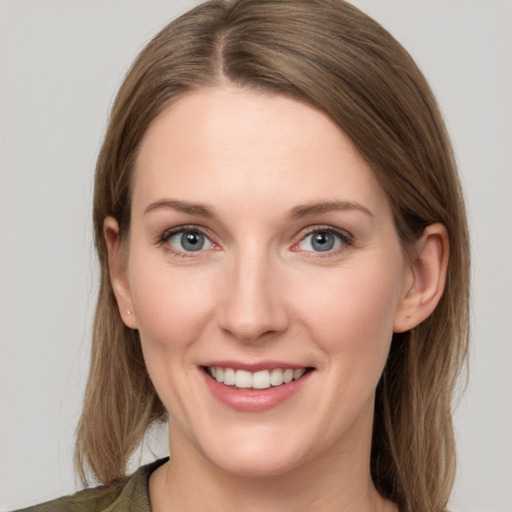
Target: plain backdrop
(61,62)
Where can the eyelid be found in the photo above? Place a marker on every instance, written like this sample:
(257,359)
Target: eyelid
(346,238)
(170,232)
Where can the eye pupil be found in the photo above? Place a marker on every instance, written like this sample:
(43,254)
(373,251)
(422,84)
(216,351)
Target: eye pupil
(322,241)
(192,241)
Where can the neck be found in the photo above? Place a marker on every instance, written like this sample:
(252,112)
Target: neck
(338,482)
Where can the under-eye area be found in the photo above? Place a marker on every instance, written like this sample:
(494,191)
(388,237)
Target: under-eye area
(261,379)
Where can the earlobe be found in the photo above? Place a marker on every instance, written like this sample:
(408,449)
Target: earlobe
(428,267)
(118,274)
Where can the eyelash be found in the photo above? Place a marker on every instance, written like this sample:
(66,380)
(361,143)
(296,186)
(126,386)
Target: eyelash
(345,239)
(169,233)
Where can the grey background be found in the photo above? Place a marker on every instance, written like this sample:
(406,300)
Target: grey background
(60,65)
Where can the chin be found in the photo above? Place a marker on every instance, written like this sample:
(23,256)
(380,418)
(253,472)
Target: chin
(256,465)
(256,452)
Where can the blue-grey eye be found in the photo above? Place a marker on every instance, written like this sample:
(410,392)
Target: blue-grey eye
(190,241)
(321,241)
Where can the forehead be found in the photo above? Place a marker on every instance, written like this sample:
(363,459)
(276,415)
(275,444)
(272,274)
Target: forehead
(235,143)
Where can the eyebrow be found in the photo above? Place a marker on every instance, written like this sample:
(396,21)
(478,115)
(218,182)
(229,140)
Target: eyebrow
(327,206)
(200,210)
(299,211)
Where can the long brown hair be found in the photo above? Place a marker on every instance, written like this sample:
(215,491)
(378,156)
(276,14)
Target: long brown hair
(330,55)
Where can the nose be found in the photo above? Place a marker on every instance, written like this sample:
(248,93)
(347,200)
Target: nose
(253,305)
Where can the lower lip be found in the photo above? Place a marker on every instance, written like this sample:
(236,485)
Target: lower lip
(254,400)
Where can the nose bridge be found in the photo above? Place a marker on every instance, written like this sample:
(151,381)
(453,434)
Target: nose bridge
(253,304)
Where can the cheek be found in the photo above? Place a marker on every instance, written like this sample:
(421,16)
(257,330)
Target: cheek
(171,308)
(171,315)
(352,309)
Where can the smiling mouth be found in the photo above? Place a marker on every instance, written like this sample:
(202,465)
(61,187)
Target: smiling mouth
(263,379)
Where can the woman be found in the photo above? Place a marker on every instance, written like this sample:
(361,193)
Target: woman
(284,262)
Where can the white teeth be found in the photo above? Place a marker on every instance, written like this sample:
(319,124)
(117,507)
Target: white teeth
(297,374)
(276,377)
(229,377)
(262,379)
(243,379)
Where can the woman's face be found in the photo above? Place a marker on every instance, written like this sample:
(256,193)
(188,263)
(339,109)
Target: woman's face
(262,249)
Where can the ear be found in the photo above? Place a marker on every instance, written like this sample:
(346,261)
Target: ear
(118,273)
(427,276)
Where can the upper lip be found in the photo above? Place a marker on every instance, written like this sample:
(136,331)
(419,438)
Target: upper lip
(254,366)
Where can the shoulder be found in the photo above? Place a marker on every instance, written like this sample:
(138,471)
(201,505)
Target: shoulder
(129,495)
(97,499)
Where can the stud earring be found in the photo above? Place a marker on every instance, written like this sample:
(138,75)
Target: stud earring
(128,312)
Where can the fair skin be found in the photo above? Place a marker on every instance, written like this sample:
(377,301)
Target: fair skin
(260,239)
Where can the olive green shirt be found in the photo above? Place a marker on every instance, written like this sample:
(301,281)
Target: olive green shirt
(130,495)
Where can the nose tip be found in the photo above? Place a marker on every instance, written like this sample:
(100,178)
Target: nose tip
(253,308)
(254,326)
